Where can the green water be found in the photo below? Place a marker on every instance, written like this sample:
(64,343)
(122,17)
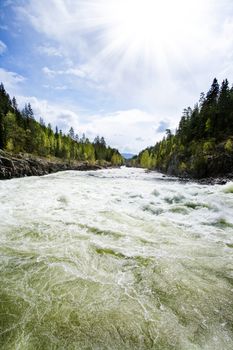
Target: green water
(116,259)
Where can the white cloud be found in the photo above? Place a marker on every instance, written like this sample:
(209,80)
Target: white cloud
(61,87)
(50,51)
(56,114)
(77,72)
(58,87)
(187,63)
(3,47)
(11,80)
(58,20)
(49,72)
(129,130)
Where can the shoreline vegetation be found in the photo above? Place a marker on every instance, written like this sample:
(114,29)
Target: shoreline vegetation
(201,148)
(21,165)
(29,147)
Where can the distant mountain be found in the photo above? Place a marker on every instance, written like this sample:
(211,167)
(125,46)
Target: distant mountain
(128,155)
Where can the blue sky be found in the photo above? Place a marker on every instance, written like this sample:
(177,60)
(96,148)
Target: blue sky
(123,69)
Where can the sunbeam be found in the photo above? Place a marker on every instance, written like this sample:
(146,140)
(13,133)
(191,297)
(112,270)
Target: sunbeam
(144,30)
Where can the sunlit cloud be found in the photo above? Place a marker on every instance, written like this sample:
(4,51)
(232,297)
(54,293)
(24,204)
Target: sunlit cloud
(137,44)
(127,31)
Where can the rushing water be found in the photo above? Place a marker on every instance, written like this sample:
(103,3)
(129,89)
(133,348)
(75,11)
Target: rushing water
(115,259)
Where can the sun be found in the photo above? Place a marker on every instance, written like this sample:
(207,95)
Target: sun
(148,31)
(150,22)
(137,21)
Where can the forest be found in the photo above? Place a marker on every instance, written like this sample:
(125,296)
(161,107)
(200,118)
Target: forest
(202,145)
(20,132)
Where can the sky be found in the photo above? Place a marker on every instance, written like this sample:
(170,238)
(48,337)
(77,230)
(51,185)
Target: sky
(122,69)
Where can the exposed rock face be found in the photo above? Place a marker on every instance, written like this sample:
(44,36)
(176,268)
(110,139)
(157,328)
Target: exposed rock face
(25,165)
(211,166)
(214,169)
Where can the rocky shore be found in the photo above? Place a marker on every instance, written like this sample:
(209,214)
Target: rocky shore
(216,178)
(21,165)
(219,180)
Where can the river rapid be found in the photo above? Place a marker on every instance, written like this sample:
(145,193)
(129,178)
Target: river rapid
(115,259)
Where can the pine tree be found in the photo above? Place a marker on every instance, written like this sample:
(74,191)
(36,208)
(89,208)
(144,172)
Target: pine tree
(14,104)
(20,132)
(71,133)
(102,141)
(213,93)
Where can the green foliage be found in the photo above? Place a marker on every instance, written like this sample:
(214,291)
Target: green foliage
(183,166)
(145,159)
(229,146)
(199,136)
(20,132)
(116,159)
(208,147)
(208,125)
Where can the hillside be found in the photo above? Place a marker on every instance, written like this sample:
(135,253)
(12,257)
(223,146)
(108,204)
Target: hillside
(202,145)
(24,138)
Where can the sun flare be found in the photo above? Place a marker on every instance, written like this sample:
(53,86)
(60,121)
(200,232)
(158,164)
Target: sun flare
(147,28)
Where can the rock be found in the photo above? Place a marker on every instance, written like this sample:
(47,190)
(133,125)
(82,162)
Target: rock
(24,165)
(7,162)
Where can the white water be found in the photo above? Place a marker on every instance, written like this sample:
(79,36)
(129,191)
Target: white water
(115,259)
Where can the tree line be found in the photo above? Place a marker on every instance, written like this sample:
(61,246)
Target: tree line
(20,132)
(204,132)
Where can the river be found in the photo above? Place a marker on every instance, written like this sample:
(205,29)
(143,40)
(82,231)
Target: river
(115,259)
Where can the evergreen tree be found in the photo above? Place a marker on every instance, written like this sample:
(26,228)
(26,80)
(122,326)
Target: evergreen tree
(213,93)
(14,104)
(204,132)
(102,141)
(71,133)
(20,132)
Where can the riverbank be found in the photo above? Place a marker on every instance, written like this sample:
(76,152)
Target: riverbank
(20,165)
(211,180)
(218,180)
